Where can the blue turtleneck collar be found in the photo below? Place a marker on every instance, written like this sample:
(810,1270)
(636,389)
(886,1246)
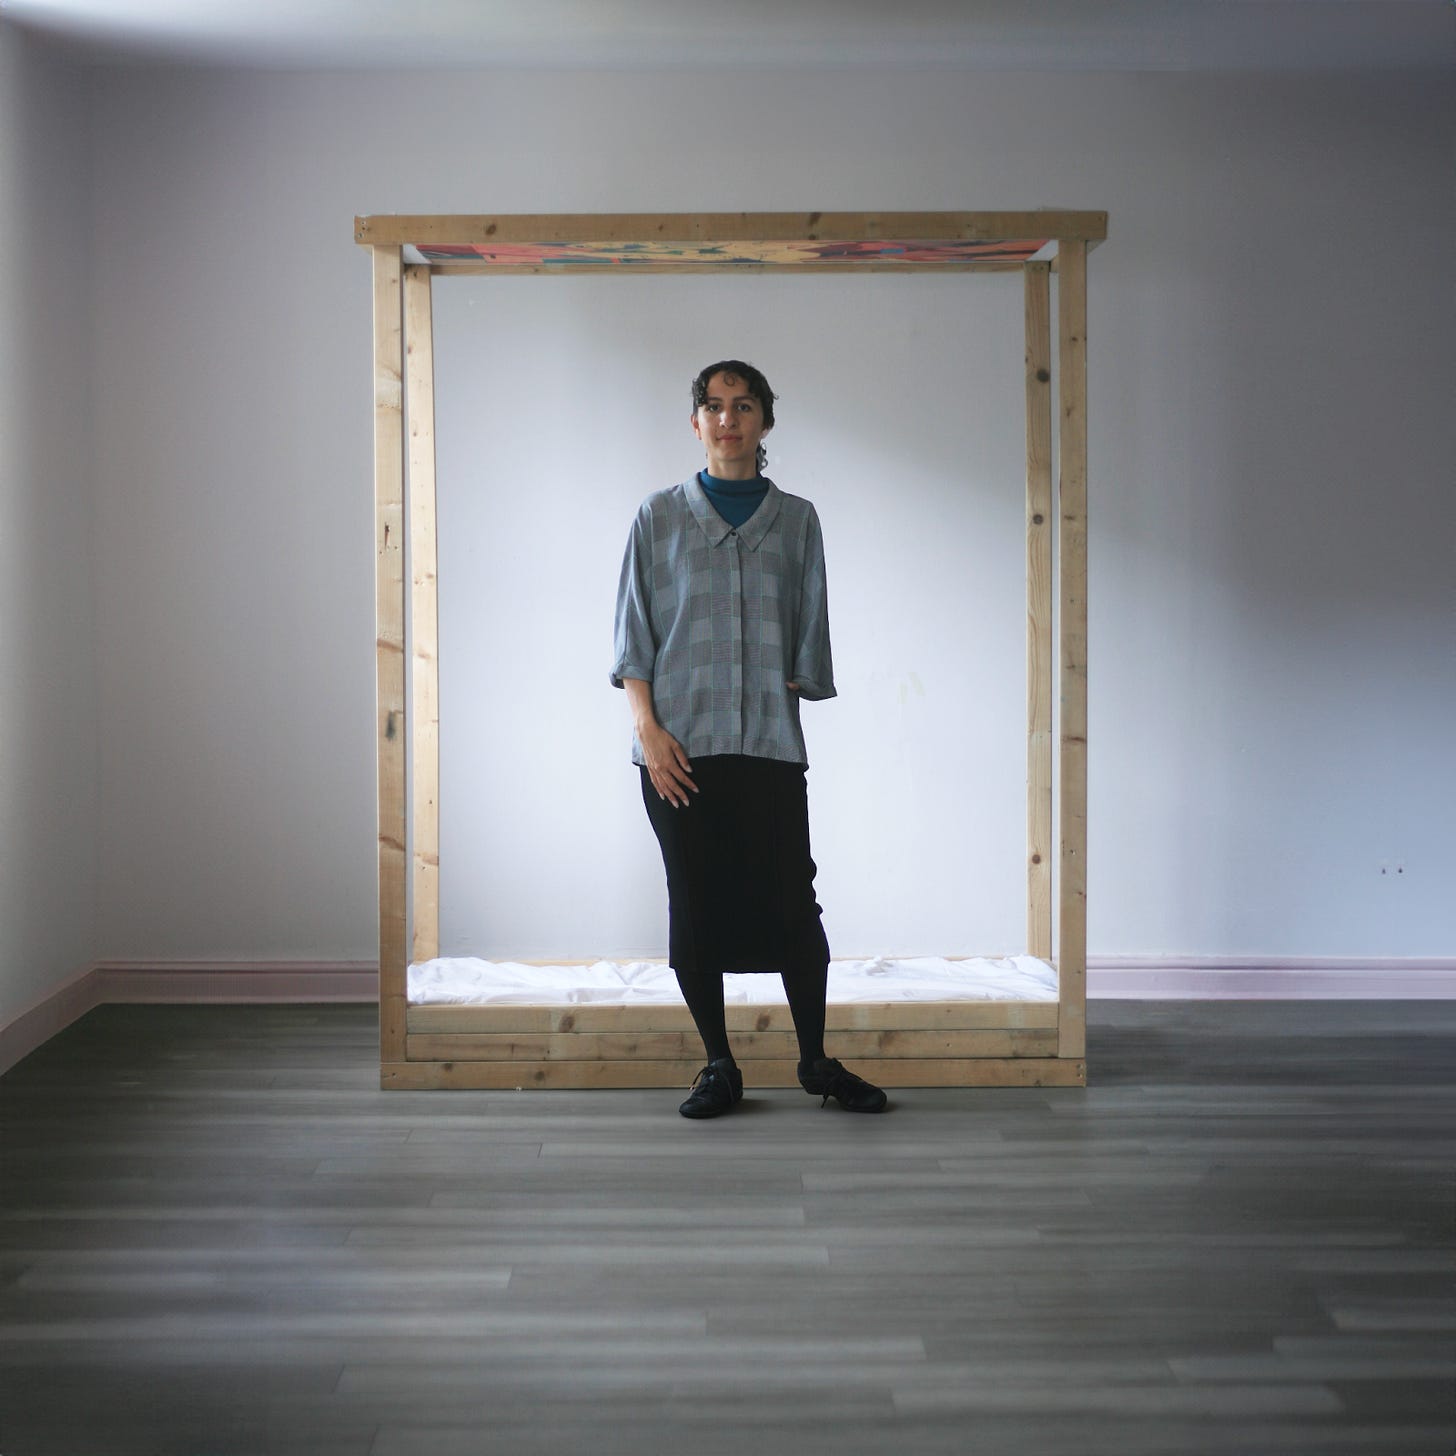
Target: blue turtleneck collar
(734,500)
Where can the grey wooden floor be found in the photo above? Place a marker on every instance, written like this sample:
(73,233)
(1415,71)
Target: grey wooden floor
(218,1238)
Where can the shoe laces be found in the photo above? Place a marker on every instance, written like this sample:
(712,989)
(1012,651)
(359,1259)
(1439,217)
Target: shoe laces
(710,1073)
(838,1077)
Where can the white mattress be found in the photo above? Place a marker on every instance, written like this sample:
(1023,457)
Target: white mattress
(465,981)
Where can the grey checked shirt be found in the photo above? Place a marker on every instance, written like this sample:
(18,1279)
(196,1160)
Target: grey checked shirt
(720,619)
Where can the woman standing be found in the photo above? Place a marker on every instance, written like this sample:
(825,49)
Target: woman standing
(722,627)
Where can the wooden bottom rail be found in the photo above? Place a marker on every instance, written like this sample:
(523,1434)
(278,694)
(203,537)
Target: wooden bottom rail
(857,1016)
(579,1046)
(889,1072)
(893,1043)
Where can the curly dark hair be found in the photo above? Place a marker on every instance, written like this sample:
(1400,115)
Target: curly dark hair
(758,387)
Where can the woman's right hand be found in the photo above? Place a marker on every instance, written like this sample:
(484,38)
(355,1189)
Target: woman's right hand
(667,765)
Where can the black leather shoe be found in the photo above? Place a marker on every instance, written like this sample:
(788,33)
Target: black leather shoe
(830,1079)
(716,1090)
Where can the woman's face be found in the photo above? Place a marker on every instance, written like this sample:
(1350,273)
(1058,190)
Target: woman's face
(730,425)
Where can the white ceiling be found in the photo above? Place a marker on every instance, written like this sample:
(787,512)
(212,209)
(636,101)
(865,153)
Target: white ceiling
(1142,35)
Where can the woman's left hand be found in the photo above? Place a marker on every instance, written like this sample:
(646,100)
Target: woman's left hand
(793,687)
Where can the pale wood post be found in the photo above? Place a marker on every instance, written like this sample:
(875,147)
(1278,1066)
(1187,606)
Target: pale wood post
(424,614)
(1039,653)
(389,650)
(1072,571)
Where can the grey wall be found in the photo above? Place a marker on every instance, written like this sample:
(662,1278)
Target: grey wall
(1272,601)
(49,784)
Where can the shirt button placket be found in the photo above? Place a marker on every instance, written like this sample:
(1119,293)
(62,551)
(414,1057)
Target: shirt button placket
(735,570)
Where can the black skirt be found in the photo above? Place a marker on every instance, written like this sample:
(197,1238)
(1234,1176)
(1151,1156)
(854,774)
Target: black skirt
(740,880)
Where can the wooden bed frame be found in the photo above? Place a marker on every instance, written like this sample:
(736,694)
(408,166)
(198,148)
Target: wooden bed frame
(948,1043)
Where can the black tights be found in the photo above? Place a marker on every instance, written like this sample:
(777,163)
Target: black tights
(804,988)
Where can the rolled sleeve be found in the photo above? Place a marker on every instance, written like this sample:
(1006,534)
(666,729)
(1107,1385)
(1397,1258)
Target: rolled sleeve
(813,660)
(635,647)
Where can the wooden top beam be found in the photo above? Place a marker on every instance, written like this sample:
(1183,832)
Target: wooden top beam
(400,229)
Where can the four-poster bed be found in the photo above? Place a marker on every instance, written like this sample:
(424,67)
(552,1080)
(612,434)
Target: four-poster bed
(930,1042)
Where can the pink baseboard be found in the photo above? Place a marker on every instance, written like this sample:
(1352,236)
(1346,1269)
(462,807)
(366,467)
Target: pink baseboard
(42,1019)
(1141,978)
(239,981)
(272,982)
(1271,978)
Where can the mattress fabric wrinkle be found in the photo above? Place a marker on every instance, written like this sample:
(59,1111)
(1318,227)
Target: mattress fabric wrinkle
(468,981)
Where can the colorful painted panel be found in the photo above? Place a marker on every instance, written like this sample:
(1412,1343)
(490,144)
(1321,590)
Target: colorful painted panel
(818,252)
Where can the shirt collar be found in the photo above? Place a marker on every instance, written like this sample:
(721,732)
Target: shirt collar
(717,530)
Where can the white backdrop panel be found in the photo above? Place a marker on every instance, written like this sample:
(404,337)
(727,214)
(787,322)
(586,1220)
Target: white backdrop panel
(561,403)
